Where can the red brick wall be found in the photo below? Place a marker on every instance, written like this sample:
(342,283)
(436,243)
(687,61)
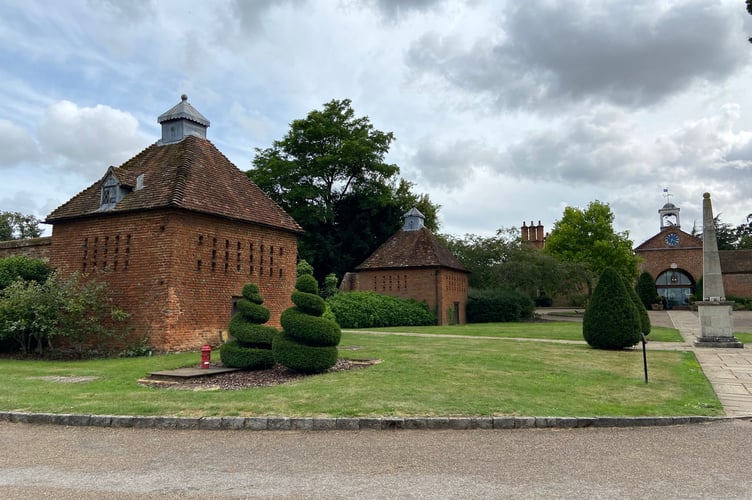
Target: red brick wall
(177,272)
(688,258)
(439,288)
(34,248)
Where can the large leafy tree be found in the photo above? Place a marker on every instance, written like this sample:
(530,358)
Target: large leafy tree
(504,261)
(330,174)
(588,237)
(16,226)
(733,238)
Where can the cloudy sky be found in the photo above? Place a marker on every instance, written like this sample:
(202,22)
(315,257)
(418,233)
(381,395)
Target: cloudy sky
(503,111)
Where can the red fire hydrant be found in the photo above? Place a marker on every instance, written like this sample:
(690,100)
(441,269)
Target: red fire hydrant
(205,356)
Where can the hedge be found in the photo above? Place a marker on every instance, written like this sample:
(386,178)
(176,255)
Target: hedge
(371,310)
(495,306)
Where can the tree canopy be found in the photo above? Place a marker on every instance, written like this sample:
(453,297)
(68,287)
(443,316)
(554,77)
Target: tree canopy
(731,237)
(329,172)
(588,237)
(504,261)
(16,226)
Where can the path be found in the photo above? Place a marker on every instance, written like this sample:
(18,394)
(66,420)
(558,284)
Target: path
(728,370)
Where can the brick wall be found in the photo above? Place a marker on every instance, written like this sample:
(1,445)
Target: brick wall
(438,287)
(177,272)
(34,248)
(736,265)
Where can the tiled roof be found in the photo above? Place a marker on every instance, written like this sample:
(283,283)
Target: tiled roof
(411,249)
(191,174)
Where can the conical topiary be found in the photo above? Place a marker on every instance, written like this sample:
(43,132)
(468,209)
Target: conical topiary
(308,342)
(641,311)
(646,289)
(251,344)
(611,320)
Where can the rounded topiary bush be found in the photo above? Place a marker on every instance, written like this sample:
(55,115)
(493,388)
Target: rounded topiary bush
(251,346)
(611,320)
(308,342)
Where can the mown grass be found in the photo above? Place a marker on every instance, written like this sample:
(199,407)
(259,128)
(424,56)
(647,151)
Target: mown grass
(417,376)
(550,330)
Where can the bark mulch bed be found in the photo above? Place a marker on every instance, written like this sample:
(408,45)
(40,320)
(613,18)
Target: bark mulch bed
(254,378)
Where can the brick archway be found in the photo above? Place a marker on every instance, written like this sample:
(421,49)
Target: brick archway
(676,286)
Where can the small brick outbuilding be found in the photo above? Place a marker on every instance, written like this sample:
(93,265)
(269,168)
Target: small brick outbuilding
(176,231)
(414,264)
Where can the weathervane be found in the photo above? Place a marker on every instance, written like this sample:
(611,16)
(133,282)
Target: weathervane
(667,195)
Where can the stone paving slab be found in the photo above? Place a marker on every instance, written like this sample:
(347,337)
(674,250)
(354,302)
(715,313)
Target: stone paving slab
(729,370)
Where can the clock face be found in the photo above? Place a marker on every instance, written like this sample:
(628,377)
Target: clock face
(672,239)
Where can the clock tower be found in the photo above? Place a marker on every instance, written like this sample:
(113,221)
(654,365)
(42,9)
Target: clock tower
(673,257)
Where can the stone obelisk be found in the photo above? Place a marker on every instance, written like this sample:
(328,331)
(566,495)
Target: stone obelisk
(716,322)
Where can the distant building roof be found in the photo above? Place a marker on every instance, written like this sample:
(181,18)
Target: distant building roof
(192,175)
(411,249)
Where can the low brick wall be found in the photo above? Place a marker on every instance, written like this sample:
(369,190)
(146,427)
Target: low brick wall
(34,248)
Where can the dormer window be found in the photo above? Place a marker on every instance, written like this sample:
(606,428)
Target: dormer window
(111,193)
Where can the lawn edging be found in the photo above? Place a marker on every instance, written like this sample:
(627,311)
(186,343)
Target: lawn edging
(349,423)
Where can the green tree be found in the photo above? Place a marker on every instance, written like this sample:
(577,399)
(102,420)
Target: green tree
(588,237)
(646,290)
(330,174)
(504,261)
(17,226)
(611,320)
(730,237)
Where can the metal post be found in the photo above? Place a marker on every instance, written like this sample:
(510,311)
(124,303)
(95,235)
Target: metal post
(644,357)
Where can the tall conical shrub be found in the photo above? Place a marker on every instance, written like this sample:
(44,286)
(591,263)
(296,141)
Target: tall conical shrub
(251,344)
(646,289)
(611,320)
(308,342)
(641,311)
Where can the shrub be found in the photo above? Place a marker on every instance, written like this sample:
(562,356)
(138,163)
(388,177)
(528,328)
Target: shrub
(371,310)
(543,301)
(646,290)
(238,355)
(330,286)
(641,310)
(492,306)
(251,347)
(23,268)
(308,342)
(33,314)
(611,320)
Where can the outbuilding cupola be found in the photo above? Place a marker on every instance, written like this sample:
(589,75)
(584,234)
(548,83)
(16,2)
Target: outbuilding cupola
(181,121)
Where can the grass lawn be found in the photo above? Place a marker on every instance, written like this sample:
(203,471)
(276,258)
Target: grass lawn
(744,338)
(417,376)
(552,330)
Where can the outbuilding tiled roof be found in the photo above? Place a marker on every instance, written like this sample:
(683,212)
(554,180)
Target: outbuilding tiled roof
(192,175)
(411,249)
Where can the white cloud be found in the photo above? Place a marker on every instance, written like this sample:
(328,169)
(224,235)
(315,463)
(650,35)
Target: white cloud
(87,140)
(16,145)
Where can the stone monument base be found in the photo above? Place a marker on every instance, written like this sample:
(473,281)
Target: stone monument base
(716,325)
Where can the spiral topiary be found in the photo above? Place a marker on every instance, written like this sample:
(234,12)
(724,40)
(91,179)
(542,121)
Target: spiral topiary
(251,344)
(308,342)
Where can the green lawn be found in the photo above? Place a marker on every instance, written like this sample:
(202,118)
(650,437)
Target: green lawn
(552,330)
(417,376)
